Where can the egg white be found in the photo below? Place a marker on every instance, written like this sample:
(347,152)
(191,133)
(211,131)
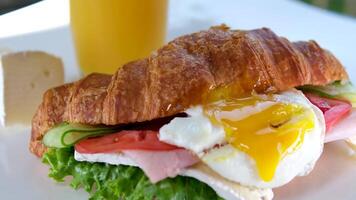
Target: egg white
(199,135)
(195,132)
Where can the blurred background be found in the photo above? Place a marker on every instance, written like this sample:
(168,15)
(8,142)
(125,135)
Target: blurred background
(10,5)
(346,7)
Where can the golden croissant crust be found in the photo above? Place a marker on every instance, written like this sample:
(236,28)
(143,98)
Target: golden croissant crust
(182,73)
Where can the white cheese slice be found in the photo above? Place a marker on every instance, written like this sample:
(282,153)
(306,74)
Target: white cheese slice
(223,187)
(110,158)
(24,77)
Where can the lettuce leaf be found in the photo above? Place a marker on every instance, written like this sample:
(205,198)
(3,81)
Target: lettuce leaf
(104,181)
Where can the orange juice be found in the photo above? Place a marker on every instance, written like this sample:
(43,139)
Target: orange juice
(110,33)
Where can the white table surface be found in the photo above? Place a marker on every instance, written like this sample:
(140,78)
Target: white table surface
(45,26)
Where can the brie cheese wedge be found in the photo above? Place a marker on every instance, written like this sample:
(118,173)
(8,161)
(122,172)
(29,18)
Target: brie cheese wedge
(24,77)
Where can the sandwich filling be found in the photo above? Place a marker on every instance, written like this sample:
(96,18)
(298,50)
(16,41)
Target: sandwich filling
(258,137)
(234,145)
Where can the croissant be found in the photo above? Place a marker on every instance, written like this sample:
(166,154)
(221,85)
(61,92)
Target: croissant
(182,73)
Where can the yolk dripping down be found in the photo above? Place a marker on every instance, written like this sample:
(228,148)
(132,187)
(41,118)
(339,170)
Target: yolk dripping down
(267,136)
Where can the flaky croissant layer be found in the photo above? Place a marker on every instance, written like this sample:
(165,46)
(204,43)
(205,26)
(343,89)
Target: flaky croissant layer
(182,73)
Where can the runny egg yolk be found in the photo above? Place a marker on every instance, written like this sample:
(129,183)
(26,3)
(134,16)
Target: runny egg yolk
(267,135)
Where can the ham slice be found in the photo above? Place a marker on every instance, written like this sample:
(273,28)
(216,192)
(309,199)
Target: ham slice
(344,129)
(159,165)
(340,117)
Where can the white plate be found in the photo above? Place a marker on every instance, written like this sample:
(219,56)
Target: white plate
(23,176)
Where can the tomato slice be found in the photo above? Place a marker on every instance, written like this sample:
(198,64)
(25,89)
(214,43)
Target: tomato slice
(334,110)
(124,140)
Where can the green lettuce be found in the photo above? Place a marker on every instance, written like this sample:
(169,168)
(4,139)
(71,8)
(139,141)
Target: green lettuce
(104,181)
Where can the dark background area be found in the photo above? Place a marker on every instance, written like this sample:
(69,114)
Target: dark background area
(347,7)
(10,5)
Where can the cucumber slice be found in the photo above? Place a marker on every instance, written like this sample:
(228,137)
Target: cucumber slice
(336,90)
(67,134)
(350,97)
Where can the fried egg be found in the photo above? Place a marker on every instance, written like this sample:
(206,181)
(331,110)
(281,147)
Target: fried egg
(261,140)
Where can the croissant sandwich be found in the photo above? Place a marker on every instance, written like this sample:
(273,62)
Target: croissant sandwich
(217,114)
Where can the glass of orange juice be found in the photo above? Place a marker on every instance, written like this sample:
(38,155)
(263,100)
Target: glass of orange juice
(109,33)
